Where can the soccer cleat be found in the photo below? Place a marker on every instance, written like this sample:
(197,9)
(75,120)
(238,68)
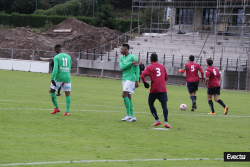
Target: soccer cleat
(58,94)
(66,113)
(156,123)
(211,113)
(126,118)
(55,111)
(133,119)
(167,125)
(192,109)
(226,110)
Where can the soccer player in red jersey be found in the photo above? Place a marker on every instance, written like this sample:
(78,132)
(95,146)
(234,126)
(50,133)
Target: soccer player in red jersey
(212,80)
(192,79)
(158,76)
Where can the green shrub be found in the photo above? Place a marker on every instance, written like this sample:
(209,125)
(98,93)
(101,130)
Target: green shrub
(47,26)
(68,8)
(5,19)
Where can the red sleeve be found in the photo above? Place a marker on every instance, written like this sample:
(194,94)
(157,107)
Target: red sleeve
(202,74)
(143,78)
(144,74)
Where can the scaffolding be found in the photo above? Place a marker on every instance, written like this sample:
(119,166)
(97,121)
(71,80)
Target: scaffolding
(222,19)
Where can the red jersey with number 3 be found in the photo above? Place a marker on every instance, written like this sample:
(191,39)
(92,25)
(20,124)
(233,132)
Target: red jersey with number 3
(213,74)
(158,76)
(192,72)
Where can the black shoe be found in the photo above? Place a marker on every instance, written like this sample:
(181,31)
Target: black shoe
(192,109)
(58,94)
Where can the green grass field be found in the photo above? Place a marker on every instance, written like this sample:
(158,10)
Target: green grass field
(95,134)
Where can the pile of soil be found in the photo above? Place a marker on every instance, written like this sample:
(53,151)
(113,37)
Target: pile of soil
(83,37)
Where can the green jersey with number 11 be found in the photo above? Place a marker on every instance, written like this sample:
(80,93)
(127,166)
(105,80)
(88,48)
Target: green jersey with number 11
(62,68)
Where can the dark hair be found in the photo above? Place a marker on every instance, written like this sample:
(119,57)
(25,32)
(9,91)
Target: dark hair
(58,46)
(191,57)
(154,57)
(209,61)
(126,45)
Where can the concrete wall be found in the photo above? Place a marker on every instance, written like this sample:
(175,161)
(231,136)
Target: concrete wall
(24,65)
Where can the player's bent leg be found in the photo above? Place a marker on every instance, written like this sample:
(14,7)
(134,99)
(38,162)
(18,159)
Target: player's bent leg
(54,101)
(58,92)
(151,100)
(211,105)
(195,105)
(192,97)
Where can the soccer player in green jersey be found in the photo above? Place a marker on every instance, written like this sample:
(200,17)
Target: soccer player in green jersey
(130,76)
(61,78)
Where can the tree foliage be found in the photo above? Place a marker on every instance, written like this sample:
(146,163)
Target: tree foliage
(19,6)
(69,8)
(106,17)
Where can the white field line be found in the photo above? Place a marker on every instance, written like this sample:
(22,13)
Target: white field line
(199,114)
(88,161)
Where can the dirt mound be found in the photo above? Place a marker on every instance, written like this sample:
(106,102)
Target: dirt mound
(80,27)
(83,37)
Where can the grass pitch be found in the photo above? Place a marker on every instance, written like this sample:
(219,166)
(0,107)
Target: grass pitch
(95,134)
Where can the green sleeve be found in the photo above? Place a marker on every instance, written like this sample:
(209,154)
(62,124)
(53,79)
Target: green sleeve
(55,69)
(137,70)
(124,66)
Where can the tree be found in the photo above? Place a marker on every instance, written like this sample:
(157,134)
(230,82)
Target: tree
(72,7)
(106,17)
(24,6)
(20,6)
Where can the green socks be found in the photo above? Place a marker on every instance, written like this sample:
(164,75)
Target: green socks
(127,105)
(68,101)
(131,108)
(53,98)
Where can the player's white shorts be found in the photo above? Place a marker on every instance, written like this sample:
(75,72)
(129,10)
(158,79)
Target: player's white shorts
(65,86)
(128,86)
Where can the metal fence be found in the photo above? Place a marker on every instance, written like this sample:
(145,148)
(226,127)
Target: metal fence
(236,69)
(233,64)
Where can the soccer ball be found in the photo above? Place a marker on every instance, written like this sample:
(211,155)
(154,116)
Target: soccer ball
(183,107)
